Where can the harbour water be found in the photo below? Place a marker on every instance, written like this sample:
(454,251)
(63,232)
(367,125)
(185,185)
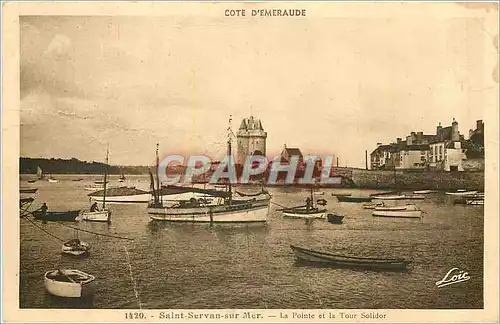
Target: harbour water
(192,266)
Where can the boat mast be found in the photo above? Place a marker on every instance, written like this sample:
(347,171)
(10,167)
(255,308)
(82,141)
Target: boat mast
(158,187)
(229,154)
(105,178)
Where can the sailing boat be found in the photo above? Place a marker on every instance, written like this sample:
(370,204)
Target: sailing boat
(222,209)
(103,215)
(308,211)
(75,247)
(39,173)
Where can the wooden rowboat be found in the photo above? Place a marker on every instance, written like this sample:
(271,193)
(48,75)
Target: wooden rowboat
(394,197)
(69,283)
(303,212)
(462,193)
(28,190)
(373,205)
(334,218)
(398,213)
(354,199)
(348,261)
(402,207)
(56,216)
(422,192)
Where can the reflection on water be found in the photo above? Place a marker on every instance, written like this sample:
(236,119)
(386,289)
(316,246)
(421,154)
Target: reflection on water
(239,266)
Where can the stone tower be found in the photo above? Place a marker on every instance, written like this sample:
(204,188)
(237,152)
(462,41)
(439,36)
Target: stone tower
(251,139)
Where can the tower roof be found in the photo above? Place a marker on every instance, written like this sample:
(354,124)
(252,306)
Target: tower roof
(251,123)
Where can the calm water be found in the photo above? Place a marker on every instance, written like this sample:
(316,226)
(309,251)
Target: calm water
(228,266)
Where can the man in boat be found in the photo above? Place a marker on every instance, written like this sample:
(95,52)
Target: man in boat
(308,203)
(94,207)
(44,208)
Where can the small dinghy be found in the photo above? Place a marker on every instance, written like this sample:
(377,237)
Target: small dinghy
(398,213)
(334,218)
(354,199)
(69,283)
(393,197)
(75,247)
(28,190)
(31,181)
(324,258)
(373,205)
(52,180)
(69,216)
(303,212)
(423,192)
(462,193)
(414,197)
(339,194)
(319,193)
(402,207)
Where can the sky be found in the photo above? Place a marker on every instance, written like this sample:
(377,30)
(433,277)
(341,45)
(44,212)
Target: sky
(328,85)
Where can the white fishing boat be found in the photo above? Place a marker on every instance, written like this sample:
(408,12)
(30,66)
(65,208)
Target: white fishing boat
(221,209)
(69,283)
(391,197)
(402,207)
(75,247)
(95,215)
(52,180)
(398,213)
(462,193)
(319,193)
(423,192)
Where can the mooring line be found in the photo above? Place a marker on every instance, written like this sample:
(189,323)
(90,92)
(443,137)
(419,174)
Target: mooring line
(132,278)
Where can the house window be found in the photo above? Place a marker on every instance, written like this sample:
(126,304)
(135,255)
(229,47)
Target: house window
(422,158)
(422,152)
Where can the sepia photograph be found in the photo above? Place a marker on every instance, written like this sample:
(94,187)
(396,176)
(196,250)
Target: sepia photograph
(238,162)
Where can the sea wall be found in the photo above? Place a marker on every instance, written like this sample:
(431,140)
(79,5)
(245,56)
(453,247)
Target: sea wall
(417,180)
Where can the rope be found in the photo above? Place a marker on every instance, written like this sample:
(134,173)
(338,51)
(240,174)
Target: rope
(107,235)
(272,202)
(132,278)
(46,232)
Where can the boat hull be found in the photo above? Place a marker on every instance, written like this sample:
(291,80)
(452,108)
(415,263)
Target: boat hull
(335,219)
(462,193)
(97,216)
(57,216)
(395,208)
(399,197)
(304,214)
(210,214)
(398,213)
(323,258)
(69,289)
(354,199)
(420,192)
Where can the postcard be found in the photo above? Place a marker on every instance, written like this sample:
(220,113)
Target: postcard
(235,162)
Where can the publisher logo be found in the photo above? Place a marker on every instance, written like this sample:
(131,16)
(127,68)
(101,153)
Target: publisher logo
(454,276)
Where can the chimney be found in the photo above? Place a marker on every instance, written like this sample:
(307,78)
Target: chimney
(438,129)
(479,126)
(378,144)
(409,140)
(455,135)
(420,137)
(398,140)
